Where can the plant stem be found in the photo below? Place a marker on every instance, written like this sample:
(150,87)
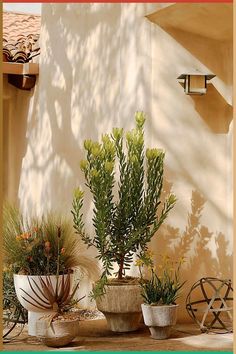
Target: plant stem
(140,272)
(121,265)
(58,257)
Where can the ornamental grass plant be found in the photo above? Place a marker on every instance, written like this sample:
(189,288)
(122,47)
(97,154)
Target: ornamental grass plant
(31,244)
(125,180)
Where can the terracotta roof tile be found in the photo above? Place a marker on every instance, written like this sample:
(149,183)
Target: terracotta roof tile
(20,36)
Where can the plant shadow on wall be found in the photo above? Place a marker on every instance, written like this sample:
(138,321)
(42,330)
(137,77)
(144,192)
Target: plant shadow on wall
(194,244)
(211,108)
(78,93)
(78,97)
(217,56)
(14,144)
(209,51)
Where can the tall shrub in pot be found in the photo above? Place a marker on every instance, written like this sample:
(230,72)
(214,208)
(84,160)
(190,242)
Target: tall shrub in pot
(125,180)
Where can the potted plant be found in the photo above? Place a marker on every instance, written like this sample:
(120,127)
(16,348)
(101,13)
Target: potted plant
(39,248)
(61,326)
(160,293)
(125,215)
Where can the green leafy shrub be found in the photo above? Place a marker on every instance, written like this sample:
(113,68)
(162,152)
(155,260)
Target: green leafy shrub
(125,209)
(163,288)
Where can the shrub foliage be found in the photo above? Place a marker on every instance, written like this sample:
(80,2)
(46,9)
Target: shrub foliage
(125,206)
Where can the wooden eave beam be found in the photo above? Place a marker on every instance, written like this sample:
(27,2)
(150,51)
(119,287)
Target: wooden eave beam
(20,68)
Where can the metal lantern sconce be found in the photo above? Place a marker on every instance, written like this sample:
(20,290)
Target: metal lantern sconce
(195,83)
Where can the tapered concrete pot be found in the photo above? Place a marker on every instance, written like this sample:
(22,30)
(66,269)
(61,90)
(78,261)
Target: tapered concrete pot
(160,319)
(58,333)
(25,284)
(121,305)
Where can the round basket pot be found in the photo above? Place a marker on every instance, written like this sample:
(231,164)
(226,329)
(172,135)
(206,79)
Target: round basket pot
(121,305)
(58,333)
(160,319)
(25,284)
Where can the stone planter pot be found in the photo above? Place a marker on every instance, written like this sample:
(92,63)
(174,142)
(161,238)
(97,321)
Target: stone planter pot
(34,312)
(121,305)
(160,319)
(58,333)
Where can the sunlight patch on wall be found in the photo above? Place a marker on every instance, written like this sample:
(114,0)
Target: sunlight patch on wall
(58,78)
(58,114)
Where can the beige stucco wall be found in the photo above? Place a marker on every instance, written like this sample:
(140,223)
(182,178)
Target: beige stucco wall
(100,63)
(16,111)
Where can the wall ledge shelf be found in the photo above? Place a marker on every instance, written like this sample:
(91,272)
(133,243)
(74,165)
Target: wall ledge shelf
(20,68)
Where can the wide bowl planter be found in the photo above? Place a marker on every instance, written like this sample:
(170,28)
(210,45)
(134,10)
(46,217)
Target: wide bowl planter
(58,333)
(121,305)
(25,290)
(160,319)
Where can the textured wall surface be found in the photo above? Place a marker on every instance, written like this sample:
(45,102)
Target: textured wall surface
(99,64)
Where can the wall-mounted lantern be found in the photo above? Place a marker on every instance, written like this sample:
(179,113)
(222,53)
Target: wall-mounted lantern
(195,83)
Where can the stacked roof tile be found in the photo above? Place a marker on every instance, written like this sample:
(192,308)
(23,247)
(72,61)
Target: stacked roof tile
(20,37)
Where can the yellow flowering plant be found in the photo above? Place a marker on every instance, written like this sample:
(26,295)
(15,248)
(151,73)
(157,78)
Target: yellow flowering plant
(164,285)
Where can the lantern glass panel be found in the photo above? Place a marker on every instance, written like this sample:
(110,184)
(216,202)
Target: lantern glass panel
(196,84)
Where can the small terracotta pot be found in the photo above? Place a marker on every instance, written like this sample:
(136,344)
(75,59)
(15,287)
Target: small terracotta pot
(160,319)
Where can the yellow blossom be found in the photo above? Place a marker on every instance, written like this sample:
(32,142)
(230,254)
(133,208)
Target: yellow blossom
(78,193)
(117,133)
(96,151)
(109,166)
(94,173)
(139,262)
(182,260)
(83,164)
(140,119)
(106,139)
(88,144)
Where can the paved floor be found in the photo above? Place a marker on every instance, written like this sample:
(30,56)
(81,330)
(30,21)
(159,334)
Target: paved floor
(94,335)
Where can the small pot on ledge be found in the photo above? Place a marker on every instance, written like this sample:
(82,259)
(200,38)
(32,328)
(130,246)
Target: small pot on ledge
(160,319)
(59,332)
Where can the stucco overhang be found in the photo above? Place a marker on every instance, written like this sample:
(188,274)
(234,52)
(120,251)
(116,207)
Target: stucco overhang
(197,18)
